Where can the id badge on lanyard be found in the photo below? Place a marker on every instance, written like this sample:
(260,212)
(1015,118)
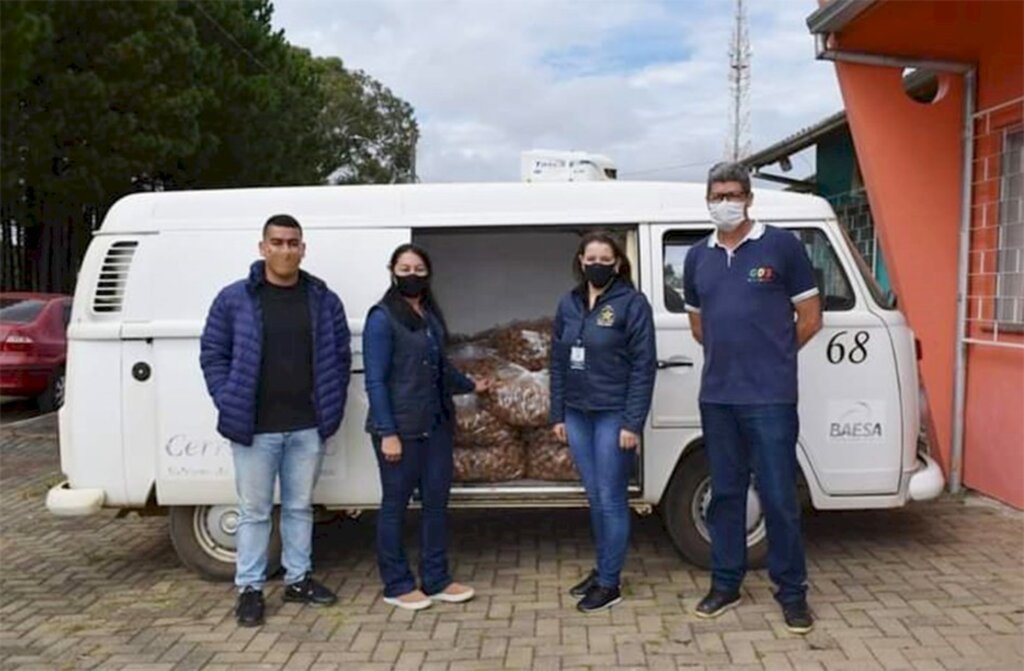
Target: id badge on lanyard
(578,357)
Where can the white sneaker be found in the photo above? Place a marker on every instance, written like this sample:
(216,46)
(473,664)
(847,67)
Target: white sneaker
(415,600)
(454,593)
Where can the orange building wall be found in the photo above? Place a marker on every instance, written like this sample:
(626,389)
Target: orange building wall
(910,156)
(994,423)
(994,439)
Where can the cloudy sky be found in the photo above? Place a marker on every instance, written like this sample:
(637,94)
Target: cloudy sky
(643,82)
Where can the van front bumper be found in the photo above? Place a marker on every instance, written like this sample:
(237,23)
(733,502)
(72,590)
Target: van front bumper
(63,501)
(927,481)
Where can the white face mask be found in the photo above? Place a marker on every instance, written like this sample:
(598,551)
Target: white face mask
(727,215)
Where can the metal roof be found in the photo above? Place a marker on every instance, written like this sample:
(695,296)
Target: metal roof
(795,142)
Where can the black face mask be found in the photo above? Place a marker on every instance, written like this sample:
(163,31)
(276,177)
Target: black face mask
(411,286)
(599,274)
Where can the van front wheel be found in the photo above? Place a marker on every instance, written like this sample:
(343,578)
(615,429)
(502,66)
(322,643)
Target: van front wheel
(205,539)
(684,510)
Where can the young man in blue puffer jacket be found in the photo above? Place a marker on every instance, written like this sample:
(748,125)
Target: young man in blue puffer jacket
(276,356)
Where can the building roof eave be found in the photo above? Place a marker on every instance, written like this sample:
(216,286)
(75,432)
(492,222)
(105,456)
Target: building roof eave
(836,15)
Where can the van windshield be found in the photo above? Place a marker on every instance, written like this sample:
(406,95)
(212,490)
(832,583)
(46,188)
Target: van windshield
(885,299)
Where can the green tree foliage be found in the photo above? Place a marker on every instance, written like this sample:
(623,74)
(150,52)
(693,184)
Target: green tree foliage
(371,134)
(260,117)
(102,97)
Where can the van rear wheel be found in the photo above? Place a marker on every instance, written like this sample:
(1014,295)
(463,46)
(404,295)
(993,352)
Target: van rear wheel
(684,511)
(205,539)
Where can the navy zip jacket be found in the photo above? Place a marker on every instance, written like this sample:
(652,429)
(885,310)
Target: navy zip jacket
(231,348)
(409,380)
(620,361)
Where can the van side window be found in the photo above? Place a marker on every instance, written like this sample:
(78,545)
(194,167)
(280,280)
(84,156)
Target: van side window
(833,284)
(675,245)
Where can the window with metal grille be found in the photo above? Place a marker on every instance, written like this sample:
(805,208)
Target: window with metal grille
(1010,266)
(109,293)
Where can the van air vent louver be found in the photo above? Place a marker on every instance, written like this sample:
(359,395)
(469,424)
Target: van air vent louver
(109,294)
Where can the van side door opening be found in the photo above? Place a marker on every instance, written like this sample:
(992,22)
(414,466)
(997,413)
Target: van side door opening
(486,279)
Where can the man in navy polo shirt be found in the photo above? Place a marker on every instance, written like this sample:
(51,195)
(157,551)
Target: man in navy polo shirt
(742,287)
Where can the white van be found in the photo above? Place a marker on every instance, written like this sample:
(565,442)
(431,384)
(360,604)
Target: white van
(137,429)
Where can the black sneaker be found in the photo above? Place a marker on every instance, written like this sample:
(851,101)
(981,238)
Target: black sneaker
(599,598)
(249,609)
(579,590)
(309,591)
(798,617)
(716,603)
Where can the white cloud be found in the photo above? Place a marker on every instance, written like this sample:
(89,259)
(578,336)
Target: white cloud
(644,82)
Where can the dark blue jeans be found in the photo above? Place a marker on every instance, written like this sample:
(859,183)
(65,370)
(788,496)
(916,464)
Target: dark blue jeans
(762,438)
(426,464)
(604,468)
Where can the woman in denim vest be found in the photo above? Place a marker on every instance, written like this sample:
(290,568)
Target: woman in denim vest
(410,383)
(602,377)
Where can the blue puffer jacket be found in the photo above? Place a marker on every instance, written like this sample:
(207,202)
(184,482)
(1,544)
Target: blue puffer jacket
(619,351)
(231,349)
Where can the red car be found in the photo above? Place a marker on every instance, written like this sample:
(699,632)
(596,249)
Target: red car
(33,346)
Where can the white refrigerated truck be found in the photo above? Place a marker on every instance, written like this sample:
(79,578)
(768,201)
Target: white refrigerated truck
(137,430)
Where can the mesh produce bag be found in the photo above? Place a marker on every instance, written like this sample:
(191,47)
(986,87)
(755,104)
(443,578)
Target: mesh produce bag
(488,445)
(525,343)
(475,358)
(520,397)
(547,458)
(489,464)
(476,427)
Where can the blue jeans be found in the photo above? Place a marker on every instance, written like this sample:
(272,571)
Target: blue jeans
(605,469)
(296,457)
(762,438)
(426,464)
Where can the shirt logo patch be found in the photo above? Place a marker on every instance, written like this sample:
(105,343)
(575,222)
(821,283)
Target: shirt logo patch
(761,275)
(606,317)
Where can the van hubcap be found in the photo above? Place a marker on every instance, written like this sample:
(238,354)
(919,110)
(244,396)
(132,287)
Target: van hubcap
(215,528)
(702,501)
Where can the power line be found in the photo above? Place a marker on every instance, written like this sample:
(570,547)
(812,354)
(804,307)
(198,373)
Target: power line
(665,168)
(346,121)
(231,37)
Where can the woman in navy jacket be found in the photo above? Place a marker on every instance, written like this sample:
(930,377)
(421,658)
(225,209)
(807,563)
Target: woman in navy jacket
(410,383)
(603,365)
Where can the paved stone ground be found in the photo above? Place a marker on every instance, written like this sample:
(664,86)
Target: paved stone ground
(17,409)
(934,586)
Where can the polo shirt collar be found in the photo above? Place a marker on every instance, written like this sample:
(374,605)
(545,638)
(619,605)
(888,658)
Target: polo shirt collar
(755,232)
